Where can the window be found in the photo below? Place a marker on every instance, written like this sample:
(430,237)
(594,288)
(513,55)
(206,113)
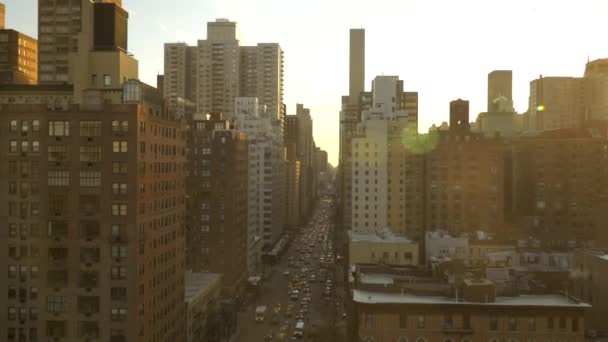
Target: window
(25,126)
(119,314)
(119,272)
(119,210)
(12,146)
(512,323)
(369,320)
(493,323)
(25,146)
(55,304)
(90,128)
(562,323)
(119,188)
(119,167)
(58,153)
(59,128)
(119,146)
(402,321)
(120,126)
(119,251)
(90,153)
(532,324)
(90,178)
(35,146)
(107,80)
(36,125)
(420,322)
(466,321)
(58,178)
(447,321)
(13,126)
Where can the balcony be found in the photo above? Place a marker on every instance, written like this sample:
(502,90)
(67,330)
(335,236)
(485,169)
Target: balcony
(88,280)
(88,305)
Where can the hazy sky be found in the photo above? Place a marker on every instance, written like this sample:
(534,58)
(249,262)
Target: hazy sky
(443,49)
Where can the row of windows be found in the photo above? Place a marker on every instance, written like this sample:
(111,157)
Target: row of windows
(88,128)
(511,323)
(58,153)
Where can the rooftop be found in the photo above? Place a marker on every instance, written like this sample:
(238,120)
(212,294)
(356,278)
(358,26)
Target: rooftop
(369,297)
(379,236)
(198,282)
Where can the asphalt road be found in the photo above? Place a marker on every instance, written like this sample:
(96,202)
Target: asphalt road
(275,290)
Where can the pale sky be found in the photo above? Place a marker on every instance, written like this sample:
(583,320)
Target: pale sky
(443,49)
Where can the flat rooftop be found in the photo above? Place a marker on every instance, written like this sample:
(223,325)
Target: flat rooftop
(198,282)
(380,236)
(544,300)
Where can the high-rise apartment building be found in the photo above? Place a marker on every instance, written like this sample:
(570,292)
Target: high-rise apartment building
(2,16)
(459,115)
(500,84)
(560,185)
(373,199)
(262,76)
(266,189)
(555,103)
(215,72)
(305,151)
(64,27)
(217,207)
(18,58)
(464,183)
(294,172)
(218,68)
(350,115)
(93,201)
(18,55)
(180,78)
(595,89)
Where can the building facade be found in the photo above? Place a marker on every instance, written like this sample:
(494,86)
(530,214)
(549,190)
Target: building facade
(88,222)
(18,58)
(266,199)
(217,217)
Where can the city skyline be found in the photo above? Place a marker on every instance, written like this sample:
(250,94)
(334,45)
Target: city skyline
(563,52)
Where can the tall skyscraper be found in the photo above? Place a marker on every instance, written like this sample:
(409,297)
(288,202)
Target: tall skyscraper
(372,190)
(500,83)
(459,115)
(97,251)
(217,215)
(356,65)
(595,85)
(266,189)
(63,28)
(18,58)
(87,222)
(180,78)
(555,103)
(217,71)
(2,16)
(218,68)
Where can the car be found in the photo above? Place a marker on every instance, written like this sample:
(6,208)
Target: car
(286,273)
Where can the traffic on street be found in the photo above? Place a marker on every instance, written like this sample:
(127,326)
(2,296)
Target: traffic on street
(298,299)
